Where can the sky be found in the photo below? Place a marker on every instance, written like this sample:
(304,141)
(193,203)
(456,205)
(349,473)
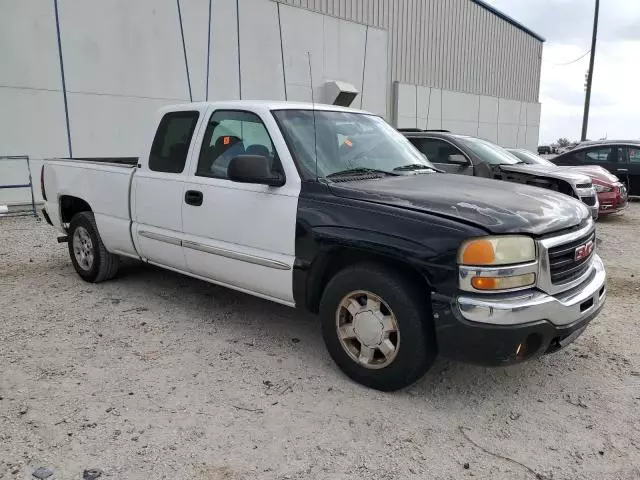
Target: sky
(567,26)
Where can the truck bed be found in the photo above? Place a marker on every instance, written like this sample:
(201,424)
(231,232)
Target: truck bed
(104,184)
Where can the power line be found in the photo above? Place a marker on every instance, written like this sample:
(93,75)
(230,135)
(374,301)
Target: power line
(572,61)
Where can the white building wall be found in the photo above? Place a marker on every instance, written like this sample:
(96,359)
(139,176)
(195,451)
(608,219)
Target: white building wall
(459,66)
(457,45)
(510,123)
(123,60)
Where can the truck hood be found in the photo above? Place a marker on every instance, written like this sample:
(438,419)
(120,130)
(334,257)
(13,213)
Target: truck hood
(575,178)
(496,206)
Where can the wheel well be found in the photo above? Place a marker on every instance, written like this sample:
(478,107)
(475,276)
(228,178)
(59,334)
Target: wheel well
(70,206)
(338,260)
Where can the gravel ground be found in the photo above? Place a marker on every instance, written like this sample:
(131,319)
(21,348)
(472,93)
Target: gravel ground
(155,375)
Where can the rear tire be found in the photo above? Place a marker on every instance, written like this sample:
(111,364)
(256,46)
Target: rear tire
(369,308)
(89,256)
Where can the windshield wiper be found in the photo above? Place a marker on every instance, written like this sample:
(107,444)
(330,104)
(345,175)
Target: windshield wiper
(413,166)
(358,171)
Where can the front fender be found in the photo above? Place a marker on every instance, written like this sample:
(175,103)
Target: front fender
(327,249)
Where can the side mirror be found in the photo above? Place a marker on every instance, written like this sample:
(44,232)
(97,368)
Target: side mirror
(253,169)
(458,159)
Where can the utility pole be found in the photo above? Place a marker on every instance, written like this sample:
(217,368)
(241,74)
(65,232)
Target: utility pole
(587,99)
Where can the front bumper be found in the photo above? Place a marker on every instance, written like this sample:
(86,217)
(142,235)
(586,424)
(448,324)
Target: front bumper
(612,202)
(502,329)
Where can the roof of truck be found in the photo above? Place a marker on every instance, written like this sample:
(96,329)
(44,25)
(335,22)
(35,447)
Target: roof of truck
(268,104)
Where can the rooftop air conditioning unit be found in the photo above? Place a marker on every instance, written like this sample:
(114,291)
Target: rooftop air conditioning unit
(340,93)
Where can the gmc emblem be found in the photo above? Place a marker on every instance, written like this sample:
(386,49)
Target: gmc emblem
(583,251)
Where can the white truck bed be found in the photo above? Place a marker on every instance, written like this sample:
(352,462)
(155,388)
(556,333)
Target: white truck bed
(105,186)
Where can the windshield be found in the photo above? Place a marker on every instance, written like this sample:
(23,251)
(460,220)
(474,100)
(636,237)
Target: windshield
(343,141)
(531,158)
(489,152)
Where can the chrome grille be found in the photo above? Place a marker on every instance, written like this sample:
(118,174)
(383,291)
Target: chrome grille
(563,267)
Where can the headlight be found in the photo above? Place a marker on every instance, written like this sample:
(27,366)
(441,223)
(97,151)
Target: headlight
(492,251)
(601,188)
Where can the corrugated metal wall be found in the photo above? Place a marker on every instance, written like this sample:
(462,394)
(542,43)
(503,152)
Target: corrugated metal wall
(452,44)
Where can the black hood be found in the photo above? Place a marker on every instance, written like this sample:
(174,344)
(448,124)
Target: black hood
(497,206)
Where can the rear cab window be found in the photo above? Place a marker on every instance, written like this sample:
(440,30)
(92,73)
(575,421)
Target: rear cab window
(171,143)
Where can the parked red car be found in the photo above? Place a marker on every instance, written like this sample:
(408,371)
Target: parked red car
(612,194)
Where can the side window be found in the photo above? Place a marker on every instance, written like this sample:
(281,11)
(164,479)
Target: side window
(632,154)
(231,133)
(437,151)
(597,155)
(171,143)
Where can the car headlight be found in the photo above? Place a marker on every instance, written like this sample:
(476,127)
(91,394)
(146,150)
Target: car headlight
(602,188)
(497,263)
(494,251)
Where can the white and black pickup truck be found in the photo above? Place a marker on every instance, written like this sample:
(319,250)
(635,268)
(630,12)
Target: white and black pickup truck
(333,211)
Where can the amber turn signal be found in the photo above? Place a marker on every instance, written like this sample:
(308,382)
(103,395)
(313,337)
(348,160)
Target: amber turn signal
(478,252)
(503,283)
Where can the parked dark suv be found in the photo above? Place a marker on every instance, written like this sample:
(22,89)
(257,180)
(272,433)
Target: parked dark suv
(620,157)
(467,155)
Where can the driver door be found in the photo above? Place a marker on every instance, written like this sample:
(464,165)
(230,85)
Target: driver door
(444,155)
(237,234)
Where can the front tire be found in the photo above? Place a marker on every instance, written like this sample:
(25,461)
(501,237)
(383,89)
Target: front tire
(89,256)
(378,327)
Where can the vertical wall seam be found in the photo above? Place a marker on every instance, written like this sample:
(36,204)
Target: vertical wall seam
(428,108)
(364,63)
(284,70)
(206,93)
(498,123)
(519,120)
(238,37)
(441,107)
(62,78)
(184,50)
(416,96)
(478,127)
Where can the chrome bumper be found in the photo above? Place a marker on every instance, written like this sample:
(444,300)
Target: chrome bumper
(517,308)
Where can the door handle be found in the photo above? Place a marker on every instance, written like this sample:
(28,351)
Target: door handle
(193,197)
(622,170)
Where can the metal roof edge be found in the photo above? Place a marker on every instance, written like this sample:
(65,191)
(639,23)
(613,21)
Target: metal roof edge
(509,19)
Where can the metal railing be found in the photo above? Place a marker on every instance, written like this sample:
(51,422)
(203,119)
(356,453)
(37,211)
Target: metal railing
(6,211)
